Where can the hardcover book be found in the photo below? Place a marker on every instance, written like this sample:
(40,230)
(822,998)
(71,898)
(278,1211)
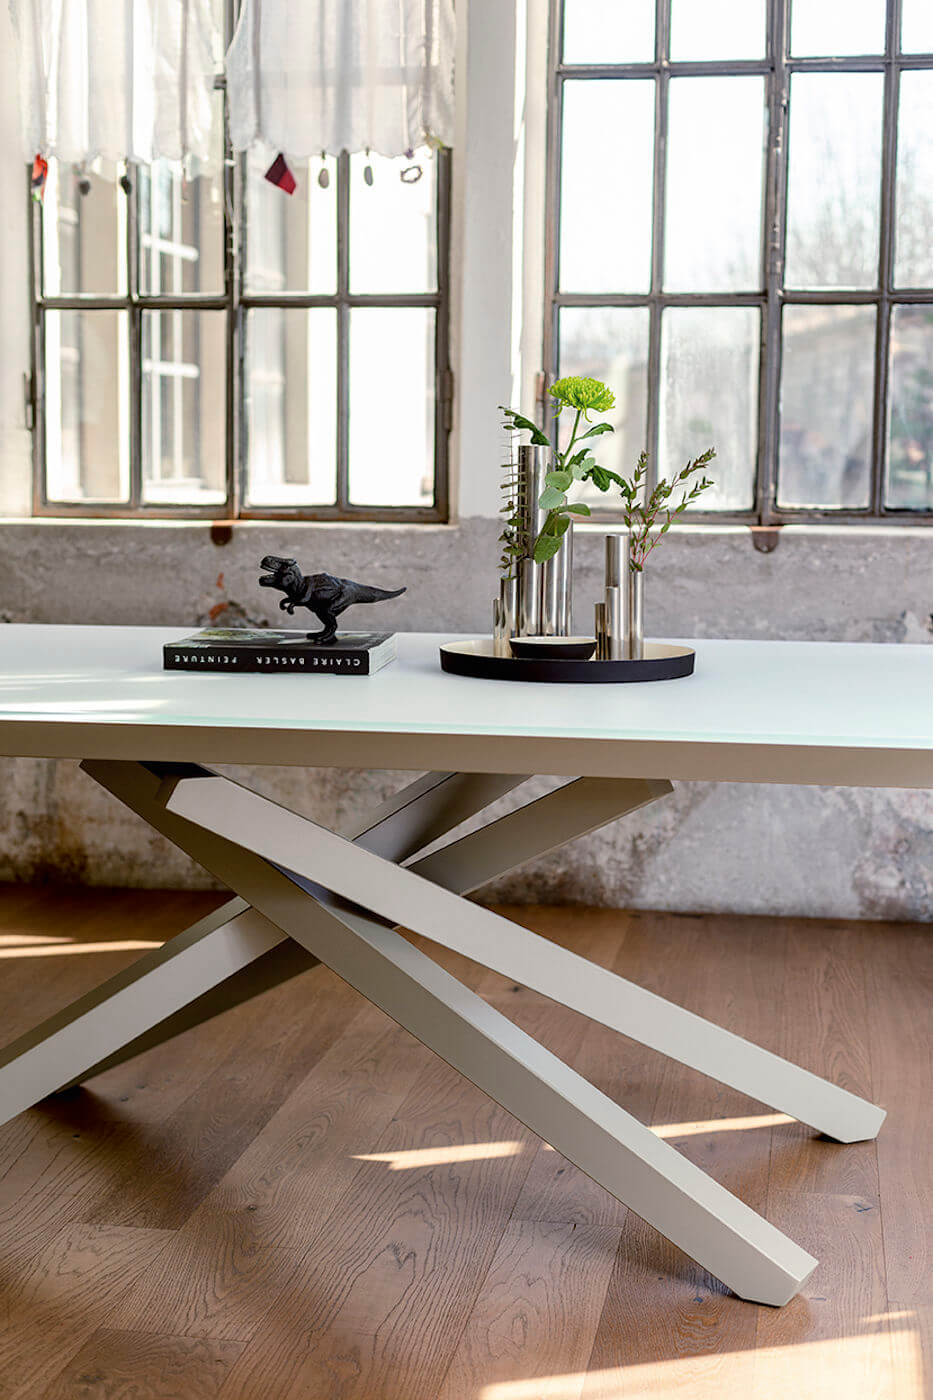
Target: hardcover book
(264,650)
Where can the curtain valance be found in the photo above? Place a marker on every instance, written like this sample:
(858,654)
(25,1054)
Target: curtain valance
(342,75)
(118,79)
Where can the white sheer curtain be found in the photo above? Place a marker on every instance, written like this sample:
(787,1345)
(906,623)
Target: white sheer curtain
(306,76)
(118,79)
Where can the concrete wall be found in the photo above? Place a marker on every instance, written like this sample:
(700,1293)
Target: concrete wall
(728,847)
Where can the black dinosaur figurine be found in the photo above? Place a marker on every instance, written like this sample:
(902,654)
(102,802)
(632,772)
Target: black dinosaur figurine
(326,596)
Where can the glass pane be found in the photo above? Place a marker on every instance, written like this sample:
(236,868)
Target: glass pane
(913,247)
(606,182)
(181,225)
(183,407)
(87,378)
(712,240)
(291,407)
(392,406)
(717,29)
(709,398)
(608,31)
(834,28)
(909,484)
(291,239)
(834,179)
(83,232)
(916,26)
(610,343)
(827,382)
(393,239)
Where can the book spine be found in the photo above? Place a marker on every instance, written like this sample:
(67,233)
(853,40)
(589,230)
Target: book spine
(266,662)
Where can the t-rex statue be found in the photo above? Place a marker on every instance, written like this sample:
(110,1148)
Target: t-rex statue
(326,596)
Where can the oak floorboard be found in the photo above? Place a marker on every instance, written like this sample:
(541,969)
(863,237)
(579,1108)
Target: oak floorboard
(181,1157)
(239,1248)
(538,1309)
(663,1311)
(383,1294)
(50,1307)
(899,962)
(115,1365)
(833,1338)
(824,1015)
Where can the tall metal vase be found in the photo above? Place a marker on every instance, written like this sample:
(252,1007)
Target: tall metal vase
(545,591)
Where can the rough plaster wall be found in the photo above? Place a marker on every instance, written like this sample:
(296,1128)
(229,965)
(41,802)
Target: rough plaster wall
(723,847)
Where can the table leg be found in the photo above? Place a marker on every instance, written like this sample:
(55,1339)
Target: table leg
(405,897)
(651,1177)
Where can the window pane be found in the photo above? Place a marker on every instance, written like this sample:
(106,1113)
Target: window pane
(393,243)
(827,380)
(714,177)
(83,232)
(291,407)
(610,343)
(909,484)
(183,407)
(913,247)
(608,31)
(606,183)
(833,28)
(392,406)
(916,26)
(291,239)
(709,398)
(834,179)
(717,29)
(86,392)
(181,231)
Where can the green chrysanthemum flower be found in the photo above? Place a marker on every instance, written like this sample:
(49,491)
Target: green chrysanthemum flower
(583,394)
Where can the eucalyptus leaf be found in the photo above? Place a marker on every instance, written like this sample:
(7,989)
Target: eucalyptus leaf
(546,546)
(550,497)
(561,526)
(559,479)
(578,508)
(521,424)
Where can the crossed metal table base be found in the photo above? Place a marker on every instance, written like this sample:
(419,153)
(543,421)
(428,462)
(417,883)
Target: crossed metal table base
(307,895)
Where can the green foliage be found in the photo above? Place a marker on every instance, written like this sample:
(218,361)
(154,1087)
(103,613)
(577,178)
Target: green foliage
(575,463)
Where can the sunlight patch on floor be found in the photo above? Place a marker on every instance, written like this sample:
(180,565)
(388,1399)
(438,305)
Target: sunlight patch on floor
(720,1125)
(438,1156)
(39,946)
(818,1370)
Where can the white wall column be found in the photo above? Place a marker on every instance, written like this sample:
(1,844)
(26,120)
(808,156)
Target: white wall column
(487,227)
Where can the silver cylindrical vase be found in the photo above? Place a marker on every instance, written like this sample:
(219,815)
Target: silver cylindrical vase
(635,631)
(555,590)
(545,591)
(505,616)
(617,594)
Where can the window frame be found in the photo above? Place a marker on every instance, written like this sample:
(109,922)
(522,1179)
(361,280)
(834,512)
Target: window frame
(234,301)
(776,68)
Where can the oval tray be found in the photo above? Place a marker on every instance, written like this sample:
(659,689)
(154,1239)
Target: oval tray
(476,657)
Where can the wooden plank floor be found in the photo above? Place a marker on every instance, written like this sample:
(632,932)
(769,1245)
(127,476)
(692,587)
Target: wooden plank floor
(297,1201)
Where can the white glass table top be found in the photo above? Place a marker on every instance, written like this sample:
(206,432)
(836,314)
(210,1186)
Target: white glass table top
(85,691)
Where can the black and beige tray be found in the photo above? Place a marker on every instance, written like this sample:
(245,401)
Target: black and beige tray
(476,657)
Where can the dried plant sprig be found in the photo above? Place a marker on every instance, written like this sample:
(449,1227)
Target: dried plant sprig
(641,517)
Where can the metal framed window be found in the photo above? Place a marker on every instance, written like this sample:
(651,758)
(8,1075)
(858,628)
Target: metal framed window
(738,219)
(210,347)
